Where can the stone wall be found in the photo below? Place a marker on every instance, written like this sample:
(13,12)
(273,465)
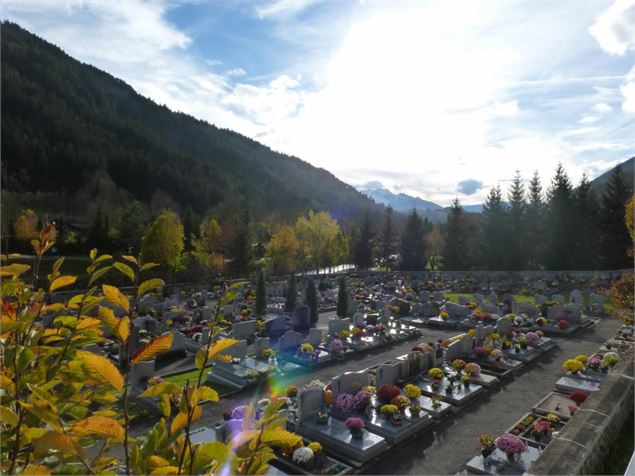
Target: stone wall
(584,442)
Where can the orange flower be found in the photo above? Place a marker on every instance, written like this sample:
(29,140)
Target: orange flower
(328,397)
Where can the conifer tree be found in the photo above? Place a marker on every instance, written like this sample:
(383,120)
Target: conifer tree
(494,231)
(363,243)
(261,295)
(388,234)
(534,230)
(456,255)
(413,244)
(292,294)
(241,250)
(311,301)
(516,225)
(342,298)
(586,227)
(614,234)
(559,222)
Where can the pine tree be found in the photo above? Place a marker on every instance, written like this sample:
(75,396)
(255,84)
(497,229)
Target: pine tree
(132,227)
(413,244)
(292,294)
(517,225)
(494,231)
(614,234)
(388,237)
(534,230)
(559,222)
(363,244)
(261,295)
(96,230)
(189,226)
(241,250)
(342,298)
(311,302)
(585,226)
(456,254)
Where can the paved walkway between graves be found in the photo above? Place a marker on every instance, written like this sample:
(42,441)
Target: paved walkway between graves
(451,443)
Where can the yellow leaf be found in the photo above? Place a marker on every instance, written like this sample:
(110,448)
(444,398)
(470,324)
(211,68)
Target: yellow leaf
(88,323)
(218,347)
(115,297)
(102,367)
(118,326)
(100,426)
(62,281)
(207,393)
(166,470)
(166,407)
(179,422)
(163,388)
(14,269)
(54,440)
(155,461)
(36,469)
(149,285)
(157,346)
(8,416)
(132,259)
(6,383)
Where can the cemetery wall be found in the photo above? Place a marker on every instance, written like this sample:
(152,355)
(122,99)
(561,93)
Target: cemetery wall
(584,443)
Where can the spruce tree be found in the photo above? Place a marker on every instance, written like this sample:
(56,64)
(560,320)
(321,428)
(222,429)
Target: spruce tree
(516,225)
(614,234)
(311,302)
(585,255)
(494,231)
(241,250)
(413,244)
(534,230)
(388,234)
(456,254)
(559,222)
(342,298)
(363,243)
(292,294)
(261,295)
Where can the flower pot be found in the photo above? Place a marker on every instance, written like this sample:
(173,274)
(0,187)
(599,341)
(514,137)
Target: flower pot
(357,434)
(320,459)
(485,452)
(510,457)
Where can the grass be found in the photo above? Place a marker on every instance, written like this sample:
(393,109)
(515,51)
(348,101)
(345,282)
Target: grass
(620,452)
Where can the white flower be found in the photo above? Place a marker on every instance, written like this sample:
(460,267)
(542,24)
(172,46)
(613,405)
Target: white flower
(302,455)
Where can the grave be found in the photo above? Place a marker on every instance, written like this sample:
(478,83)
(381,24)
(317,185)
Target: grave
(461,349)
(570,384)
(459,395)
(498,464)
(556,403)
(245,330)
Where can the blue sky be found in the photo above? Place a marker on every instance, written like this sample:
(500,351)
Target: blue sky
(435,99)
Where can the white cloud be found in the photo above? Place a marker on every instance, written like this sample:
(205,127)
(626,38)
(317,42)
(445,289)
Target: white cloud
(588,120)
(236,72)
(628,92)
(282,9)
(602,107)
(614,28)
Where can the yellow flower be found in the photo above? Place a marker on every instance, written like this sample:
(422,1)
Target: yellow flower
(472,332)
(315,446)
(573,366)
(583,359)
(389,409)
(412,391)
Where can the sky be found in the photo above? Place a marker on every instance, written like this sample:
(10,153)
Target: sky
(434,99)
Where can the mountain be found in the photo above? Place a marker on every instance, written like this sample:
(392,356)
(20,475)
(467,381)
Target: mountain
(628,169)
(74,136)
(400,202)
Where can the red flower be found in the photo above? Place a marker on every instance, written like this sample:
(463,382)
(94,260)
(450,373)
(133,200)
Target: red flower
(563,324)
(578,397)
(387,392)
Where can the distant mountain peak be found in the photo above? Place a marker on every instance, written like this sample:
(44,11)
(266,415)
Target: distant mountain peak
(400,202)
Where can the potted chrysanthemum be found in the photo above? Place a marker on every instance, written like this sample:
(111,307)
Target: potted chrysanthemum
(511,445)
(355,426)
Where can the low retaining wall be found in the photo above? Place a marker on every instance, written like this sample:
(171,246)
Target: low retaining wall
(584,442)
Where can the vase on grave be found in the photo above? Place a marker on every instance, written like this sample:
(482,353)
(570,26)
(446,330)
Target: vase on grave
(396,419)
(357,433)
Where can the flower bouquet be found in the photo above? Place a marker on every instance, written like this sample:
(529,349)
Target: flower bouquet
(436,374)
(573,366)
(563,324)
(472,369)
(318,454)
(532,338)
(511,445)
(361,400)
(336,345)
(401,402)
(436,400)
(268,353)
(481,353)
(355,426)
(465,379)
(392,413)
(386,392)
(444,315)
(496,355)
(345,402)
(304,457)
(344,334)
(487,443)
(578,397)
(412,391)
(458,364)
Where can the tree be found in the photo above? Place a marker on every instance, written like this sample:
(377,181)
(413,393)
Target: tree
(261,295)
(98,232)
(292,294)
(189,225)
(535,224)
(456,254)
(25,227)
(363,244)
(615,240)
(342,298)
(132,226)
(312,302)
(559,222)
(282,249)
(241,250)
(629,219)
(517,225)
(388,237)
(321,240)
(163,243)
(494,231)
(206,246)
(435,245)
(586,226)
(413,244)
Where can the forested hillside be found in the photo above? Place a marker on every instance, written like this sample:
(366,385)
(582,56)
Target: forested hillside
(73,135)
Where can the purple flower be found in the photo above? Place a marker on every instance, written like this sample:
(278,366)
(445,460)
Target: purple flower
(510,444)
(354,423)
(532,338)
(345,402)
(337,345)
(361,399)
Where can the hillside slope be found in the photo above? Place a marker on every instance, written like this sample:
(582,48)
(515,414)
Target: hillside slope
(65,123)
(628,169)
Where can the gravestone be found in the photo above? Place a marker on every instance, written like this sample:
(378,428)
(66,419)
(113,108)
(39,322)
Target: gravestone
(290,340)
(261,344)
(350,382)
(315,337)
(596,299)
(558,298)
(277,325)
(492,297)
(244,330)
(482,332)
(301,321)
(463,300)
(359,319)
(525,308)
(438,296)
(417,309)
(487,306)
(416,362)
(508,298)
(338,325)
(425,296)
(453,351)
(178,342)
(237,351)
(141,372)
(386,373)
(576,297)
(503,326)
(540,299)
(467,344)
(456,311)
(430,309)
(310,402)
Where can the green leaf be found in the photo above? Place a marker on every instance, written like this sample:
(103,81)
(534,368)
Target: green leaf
(8,416)
(160,389)
(149,285)
(124,269)
(57,265)
(208,453)
(98,274)
(129,258)
(14,269)
(147,266)
(93,254)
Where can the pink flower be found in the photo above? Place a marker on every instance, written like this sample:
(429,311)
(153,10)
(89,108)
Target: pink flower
(354,423)
(337,345)
(345,402)
(573,408)
(532,338)
(510,444)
